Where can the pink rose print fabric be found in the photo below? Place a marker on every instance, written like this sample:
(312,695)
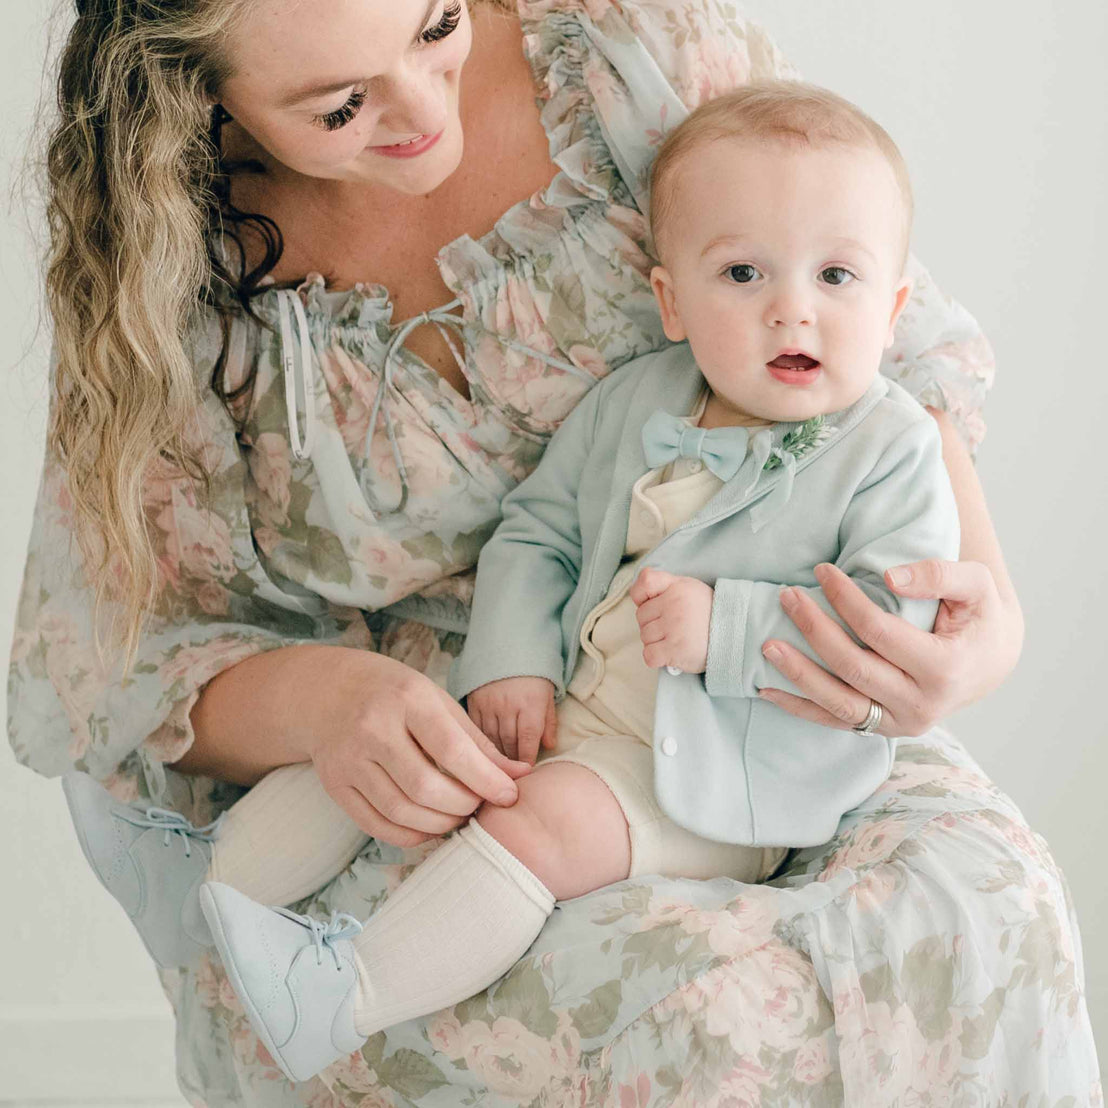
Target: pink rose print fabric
(928,955)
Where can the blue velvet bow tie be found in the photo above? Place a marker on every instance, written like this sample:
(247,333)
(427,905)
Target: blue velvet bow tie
(666,437)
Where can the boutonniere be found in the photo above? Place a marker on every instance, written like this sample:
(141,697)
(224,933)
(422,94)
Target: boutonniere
(800,440)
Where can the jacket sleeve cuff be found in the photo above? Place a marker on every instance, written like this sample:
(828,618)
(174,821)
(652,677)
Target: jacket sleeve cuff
(723,675)
(469,672)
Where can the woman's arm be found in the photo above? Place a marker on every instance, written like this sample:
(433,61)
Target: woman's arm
(248,719)
(370,725)
(918,677)
(979,541)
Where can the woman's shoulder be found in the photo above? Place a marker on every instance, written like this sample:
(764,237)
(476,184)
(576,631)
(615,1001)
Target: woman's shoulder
(640,66)
(703,48)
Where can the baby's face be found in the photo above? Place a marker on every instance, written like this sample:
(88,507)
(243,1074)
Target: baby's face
(775,251)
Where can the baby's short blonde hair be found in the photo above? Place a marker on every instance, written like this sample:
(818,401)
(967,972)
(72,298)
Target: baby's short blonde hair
(781,111)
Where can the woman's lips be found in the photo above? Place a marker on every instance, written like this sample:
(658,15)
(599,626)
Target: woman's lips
(408,149)
(794,369)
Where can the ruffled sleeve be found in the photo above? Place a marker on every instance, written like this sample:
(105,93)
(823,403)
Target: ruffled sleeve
(215,607)
(628,71)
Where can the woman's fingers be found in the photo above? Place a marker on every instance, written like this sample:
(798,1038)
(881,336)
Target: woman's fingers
(934,579)
(455,742)
(804,709)
(370,820)
(842,705)
(889,637)
(396,807)
(424,784)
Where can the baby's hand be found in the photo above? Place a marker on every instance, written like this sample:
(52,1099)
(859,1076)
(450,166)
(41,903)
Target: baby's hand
(674,615)
(516,713)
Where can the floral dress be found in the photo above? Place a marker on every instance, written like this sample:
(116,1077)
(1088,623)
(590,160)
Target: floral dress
(927,955)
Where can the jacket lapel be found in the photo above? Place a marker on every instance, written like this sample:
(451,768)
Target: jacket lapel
(731,498)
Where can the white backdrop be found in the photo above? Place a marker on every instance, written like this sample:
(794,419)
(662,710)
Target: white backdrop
(999,108)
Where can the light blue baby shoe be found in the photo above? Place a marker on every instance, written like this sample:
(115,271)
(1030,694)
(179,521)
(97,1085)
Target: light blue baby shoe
(295,976)
(152,861)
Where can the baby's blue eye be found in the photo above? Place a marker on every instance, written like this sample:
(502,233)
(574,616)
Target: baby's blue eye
(844,278)
(741,274)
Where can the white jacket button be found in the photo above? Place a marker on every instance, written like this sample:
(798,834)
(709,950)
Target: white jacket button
(669,745)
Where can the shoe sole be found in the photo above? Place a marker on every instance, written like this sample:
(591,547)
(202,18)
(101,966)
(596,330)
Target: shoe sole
(211,914)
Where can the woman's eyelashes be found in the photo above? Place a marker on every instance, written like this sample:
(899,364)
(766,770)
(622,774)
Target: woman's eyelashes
(744,274)
(340,117)
(332,121)
(451,17)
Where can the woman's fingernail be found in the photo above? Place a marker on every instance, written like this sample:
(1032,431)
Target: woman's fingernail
(902,575)
(788,598)
(773,653)
(508,798)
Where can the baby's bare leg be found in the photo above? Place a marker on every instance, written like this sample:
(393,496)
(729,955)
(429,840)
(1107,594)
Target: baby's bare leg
(566,827)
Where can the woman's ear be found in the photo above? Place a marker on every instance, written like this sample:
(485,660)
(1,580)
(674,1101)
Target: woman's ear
(662,284)
(901,297)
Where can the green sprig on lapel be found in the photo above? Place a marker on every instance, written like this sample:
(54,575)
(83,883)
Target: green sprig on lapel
(801,439)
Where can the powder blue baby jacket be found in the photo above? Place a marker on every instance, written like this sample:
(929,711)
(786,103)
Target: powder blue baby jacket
(871,493)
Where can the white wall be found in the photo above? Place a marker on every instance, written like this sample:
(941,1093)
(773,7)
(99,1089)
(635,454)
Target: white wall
(999,108)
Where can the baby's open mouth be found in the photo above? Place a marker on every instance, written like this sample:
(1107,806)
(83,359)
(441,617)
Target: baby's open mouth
(793,361)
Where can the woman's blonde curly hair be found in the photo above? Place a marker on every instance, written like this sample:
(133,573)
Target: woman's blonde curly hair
(139,219)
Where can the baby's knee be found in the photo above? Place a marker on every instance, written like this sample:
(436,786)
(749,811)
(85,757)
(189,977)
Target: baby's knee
(522,832)
(566,828)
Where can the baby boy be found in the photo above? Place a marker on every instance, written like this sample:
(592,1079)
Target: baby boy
(687,488)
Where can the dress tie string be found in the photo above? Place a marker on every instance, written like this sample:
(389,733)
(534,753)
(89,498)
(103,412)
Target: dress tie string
(287,299)
(441,317)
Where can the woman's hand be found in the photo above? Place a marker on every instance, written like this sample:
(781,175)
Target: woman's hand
(517,713)
(396,752)
(917,677)
(400,755)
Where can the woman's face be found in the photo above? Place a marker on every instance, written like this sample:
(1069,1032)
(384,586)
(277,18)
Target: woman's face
(331,87)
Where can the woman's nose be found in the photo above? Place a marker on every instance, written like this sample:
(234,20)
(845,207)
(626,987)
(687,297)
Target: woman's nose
(414,103)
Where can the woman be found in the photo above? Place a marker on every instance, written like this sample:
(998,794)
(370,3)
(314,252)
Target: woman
(280,480)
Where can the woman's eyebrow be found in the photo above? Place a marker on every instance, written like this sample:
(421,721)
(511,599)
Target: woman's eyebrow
(311,92)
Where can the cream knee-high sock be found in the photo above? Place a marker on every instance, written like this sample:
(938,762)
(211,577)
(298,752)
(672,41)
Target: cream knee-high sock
(462,919)
(284,839)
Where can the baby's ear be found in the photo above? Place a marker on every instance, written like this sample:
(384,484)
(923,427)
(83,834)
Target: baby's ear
(900,299)
(662,284)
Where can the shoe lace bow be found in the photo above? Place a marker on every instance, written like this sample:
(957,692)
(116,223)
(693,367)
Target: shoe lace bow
(340,926)
(173,823)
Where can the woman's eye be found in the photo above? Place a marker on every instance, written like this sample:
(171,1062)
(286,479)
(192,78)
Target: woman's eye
(332,121)
(451,17)
(836,275)
(741,274)
(340,117)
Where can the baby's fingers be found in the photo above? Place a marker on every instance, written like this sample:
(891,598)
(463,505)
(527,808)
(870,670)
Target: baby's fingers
(550,731)
(649,583)
(530,729)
